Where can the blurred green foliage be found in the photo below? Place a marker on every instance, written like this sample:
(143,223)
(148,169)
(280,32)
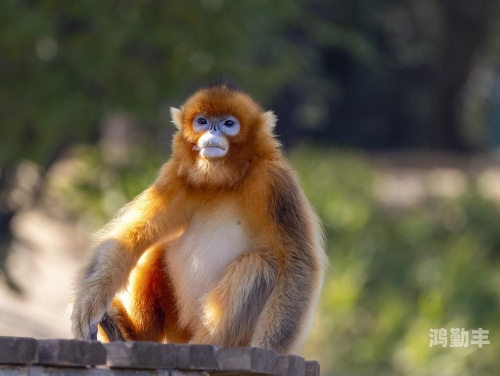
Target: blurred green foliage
(64,65)
(372,66)
(394,273)
(397,273)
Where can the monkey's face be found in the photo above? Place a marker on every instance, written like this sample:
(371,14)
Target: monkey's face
(221,133)
(218,125)
(213,132)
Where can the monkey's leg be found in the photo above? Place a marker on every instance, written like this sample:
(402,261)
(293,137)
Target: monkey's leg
(287,313)
(152,310)
(233,306)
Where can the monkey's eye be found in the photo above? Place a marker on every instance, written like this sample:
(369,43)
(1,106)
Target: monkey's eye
(229,123)
(202,121)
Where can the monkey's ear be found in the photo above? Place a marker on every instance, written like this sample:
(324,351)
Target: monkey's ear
(270,120)
(176,117)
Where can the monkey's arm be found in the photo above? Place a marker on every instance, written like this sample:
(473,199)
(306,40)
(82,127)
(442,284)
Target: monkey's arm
(119,246)
(286,316)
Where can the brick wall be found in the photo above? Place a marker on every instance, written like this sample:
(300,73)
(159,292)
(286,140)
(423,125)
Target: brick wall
(54,357)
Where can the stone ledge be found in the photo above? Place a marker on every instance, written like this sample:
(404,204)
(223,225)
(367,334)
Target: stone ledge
(65,352)
(14,350)
(31,357)
(141,355)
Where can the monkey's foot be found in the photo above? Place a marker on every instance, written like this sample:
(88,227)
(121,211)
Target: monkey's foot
(110,328)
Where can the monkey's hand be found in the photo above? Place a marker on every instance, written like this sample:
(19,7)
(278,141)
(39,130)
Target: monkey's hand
(88,309)
(97,285)
(121,243)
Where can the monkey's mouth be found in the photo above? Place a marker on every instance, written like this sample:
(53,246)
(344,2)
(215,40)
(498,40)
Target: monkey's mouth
(204,146)
(212,150)
(212,145)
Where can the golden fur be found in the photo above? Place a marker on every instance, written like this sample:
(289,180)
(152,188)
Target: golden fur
(224,251)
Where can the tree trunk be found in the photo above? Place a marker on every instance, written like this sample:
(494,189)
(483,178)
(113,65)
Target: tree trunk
(465,25)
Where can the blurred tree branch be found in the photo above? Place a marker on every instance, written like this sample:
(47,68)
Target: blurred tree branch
(465,29)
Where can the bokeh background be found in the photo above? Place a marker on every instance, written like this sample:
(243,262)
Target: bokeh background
(388,109)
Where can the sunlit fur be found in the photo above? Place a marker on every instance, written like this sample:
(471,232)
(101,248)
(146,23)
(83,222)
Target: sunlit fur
(224,251)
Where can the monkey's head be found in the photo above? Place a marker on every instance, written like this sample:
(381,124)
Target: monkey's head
(222,133)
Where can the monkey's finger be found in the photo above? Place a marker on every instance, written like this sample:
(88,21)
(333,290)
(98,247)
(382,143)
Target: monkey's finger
(93,332)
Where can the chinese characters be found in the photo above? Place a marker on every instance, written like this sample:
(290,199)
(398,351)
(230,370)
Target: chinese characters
(459,337)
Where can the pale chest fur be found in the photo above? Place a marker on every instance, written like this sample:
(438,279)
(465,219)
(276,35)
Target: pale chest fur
(198,257)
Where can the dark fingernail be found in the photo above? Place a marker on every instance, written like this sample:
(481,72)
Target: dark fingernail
(93,332)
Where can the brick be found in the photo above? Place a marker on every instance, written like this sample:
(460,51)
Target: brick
(312,368)
(16,350)
(60,371)
(181,373)
(73,371)
(197,357)
(289,365)
(67,352)
(141,355)
(11,370)
(251,360)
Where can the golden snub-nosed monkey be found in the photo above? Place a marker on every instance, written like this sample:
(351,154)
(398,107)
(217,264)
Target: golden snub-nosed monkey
(223,248)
